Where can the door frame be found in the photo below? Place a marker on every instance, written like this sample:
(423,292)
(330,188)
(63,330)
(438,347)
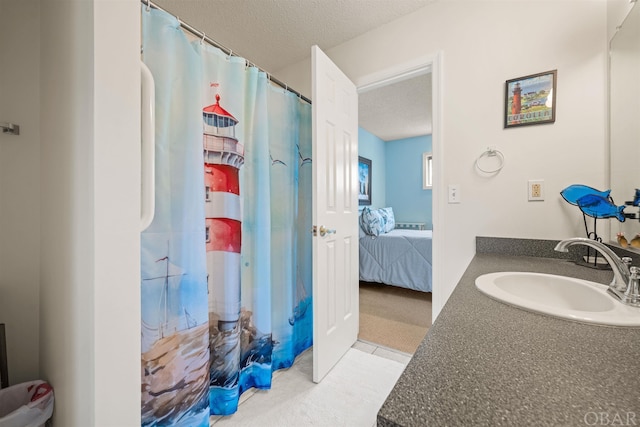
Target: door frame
(399,72)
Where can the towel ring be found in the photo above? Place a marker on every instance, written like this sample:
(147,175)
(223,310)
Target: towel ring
(491,152)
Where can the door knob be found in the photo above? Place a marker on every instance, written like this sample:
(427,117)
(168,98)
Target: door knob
(323,230)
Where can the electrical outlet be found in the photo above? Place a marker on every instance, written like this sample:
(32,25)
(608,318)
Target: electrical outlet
(535,190)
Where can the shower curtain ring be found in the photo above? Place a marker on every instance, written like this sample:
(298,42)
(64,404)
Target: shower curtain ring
(203,36)
(148,5)
(230,54)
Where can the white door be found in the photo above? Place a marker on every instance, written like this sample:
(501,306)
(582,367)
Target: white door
(335,214)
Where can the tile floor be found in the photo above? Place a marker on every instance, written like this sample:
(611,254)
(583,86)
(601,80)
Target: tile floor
(350,395)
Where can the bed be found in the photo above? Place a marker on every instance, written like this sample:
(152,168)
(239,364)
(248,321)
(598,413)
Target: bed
(399,257)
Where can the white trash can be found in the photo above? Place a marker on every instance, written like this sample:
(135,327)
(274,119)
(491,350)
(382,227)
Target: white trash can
(28,404)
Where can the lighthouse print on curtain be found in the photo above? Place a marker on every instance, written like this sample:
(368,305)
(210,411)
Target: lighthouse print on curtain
(226,269)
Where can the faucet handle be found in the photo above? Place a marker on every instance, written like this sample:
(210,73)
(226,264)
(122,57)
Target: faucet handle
(631,295)
(626,261)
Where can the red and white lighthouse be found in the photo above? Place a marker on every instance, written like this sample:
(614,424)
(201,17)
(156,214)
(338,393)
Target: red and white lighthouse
(516,104)
(223,157)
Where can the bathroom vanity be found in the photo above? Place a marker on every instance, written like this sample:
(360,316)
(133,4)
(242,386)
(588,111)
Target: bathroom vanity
(486,363)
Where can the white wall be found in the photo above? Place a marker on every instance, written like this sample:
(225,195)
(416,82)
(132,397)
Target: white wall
(116,201)
(19,185)
(617,10)
(67,285)
(90,305)
(484,43)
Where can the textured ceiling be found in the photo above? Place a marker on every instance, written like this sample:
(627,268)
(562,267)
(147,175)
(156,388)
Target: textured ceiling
(274,34)
(399,110)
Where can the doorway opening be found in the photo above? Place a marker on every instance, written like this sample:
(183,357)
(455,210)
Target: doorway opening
(400,108)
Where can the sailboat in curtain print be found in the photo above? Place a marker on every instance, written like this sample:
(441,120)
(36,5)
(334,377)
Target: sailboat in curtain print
(174,356)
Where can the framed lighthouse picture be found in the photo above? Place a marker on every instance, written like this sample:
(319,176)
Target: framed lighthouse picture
(530,100)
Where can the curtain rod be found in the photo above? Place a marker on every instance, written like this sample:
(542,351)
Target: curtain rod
(223,48)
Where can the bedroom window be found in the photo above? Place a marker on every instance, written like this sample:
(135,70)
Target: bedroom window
(427,171)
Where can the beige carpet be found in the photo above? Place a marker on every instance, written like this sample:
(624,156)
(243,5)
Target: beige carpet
(393,317)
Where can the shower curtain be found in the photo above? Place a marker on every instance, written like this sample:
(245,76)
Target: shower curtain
(226,262)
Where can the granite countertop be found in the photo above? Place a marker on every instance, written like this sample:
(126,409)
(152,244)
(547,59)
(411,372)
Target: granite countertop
(485,363)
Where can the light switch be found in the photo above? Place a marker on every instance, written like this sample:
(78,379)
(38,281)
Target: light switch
(454,193)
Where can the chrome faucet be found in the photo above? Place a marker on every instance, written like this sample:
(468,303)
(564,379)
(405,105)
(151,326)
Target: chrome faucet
(624,285)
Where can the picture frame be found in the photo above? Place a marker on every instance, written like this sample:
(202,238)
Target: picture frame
(364,181)
(530,100)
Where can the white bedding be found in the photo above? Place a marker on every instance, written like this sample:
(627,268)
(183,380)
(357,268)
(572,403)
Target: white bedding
(400,257)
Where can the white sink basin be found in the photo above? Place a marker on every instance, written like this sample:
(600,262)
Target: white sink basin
(559,296)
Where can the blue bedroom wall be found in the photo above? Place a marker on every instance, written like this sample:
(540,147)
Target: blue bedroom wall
(403,180)
(373,148)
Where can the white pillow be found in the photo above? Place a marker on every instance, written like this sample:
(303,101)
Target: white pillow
(388,219)
(377,221)
(370,222)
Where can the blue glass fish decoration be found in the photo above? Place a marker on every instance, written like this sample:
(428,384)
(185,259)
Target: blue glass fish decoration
(597,206)
(636,198)
(574,192)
